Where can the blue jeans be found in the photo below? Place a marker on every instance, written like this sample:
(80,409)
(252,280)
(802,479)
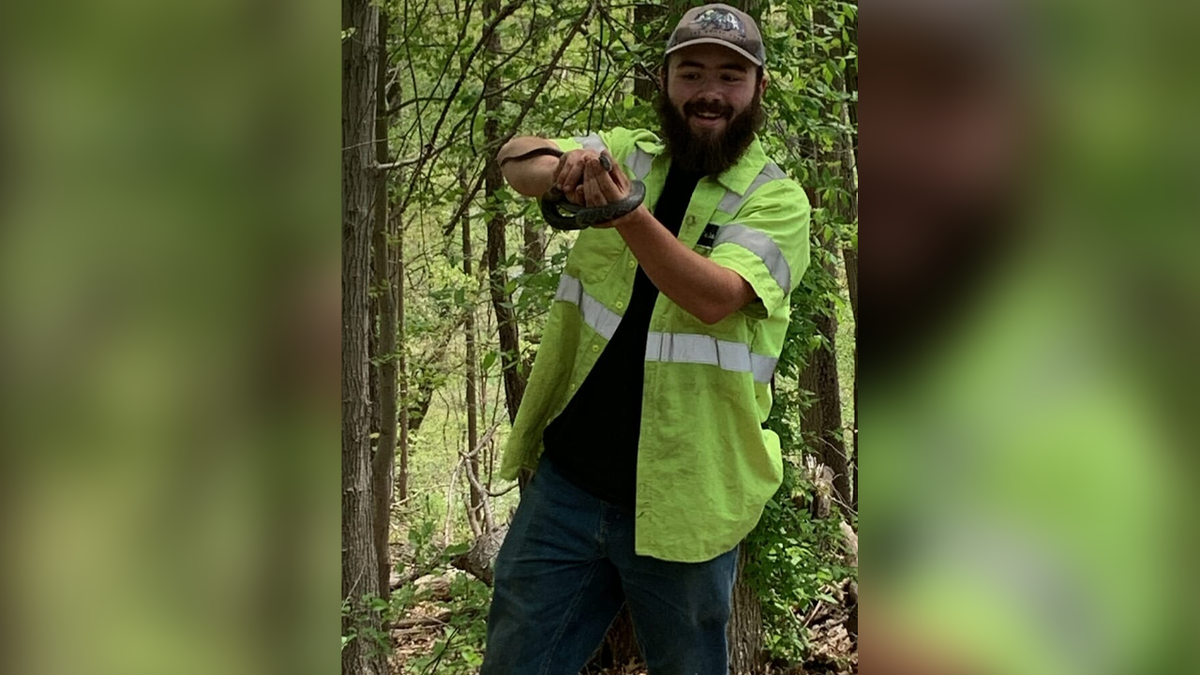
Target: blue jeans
(566,567)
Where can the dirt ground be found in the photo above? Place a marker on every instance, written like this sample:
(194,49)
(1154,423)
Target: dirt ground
(834,652)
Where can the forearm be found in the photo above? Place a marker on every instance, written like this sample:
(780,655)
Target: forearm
(530,177)
(701,287)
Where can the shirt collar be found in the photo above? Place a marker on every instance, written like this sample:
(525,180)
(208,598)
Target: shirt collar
(737,177)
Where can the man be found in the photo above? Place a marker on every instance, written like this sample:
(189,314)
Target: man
(644,410)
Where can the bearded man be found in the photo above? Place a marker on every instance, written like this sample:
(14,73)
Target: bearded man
(643,417)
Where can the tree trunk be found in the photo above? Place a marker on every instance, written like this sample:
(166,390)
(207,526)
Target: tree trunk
(850,256)
(359,562)
(383,464)
(506,319)
(401,364)
(745,636)
(473,514)
(822,421)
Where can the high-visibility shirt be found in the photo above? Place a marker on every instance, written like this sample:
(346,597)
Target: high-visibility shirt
(706,466)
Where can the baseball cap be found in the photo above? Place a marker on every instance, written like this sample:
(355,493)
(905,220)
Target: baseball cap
(720,25)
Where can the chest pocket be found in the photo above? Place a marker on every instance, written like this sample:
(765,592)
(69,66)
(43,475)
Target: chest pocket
(708,238)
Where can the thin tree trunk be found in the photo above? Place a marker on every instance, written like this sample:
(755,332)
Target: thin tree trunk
(506,319)
(473,513)
(401,364)
(849,174)
(359,561)
(383,465)
(850,257)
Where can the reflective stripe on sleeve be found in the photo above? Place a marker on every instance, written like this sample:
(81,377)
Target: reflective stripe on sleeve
(601,319)
(640,163)
(591,142)
(761,245)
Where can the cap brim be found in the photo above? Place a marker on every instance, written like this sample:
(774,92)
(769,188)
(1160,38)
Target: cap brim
(715,41)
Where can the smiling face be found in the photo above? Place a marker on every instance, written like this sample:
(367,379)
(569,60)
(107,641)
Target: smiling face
(710,106)
(709,85)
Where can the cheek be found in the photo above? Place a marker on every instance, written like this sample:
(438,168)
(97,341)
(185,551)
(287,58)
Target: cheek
(681,94)
(740,97)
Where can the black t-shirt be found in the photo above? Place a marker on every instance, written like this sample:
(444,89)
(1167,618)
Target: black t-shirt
(594,441)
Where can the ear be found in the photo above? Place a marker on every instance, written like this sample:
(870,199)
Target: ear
(762,84)
(662,77)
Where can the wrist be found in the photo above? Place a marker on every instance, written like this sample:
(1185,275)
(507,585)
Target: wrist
(631,220)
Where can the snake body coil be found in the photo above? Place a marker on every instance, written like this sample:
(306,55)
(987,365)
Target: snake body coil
(563,215)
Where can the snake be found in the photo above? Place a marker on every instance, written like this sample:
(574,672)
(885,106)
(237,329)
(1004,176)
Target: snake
(563,215)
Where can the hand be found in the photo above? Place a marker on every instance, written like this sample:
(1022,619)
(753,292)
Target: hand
(568,177)
(602,187)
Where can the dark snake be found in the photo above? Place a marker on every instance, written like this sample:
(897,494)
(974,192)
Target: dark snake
(554,203)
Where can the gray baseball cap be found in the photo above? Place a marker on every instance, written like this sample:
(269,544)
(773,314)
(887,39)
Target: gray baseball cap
(720,25)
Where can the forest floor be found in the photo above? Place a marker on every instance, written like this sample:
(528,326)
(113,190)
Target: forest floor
(426,628)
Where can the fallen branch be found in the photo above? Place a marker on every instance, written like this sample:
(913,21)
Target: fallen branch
(439,619)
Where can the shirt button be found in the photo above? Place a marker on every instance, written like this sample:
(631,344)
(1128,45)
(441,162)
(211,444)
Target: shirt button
(595,348)
(691,220)
(620,305)
(632,264)
(572,386)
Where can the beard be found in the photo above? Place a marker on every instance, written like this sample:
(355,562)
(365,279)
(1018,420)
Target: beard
(708,153)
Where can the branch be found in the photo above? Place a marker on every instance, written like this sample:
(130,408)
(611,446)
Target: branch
(491,148)
(504,13)
(397,164)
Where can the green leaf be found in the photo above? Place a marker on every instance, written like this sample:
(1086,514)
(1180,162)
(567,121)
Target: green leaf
(457,549)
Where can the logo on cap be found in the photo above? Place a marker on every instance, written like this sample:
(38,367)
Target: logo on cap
(719,20)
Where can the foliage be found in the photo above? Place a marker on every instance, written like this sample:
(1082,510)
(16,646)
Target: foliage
(569,68)
(460,648)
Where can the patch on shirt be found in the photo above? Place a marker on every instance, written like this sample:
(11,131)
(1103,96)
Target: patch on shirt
(707,238)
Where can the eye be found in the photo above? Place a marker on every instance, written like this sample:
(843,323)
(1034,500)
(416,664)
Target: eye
(731,78)
(690,76)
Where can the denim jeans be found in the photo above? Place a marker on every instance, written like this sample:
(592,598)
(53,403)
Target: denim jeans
(567,566)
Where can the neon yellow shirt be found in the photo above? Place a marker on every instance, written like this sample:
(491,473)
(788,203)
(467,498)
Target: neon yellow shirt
(705,466)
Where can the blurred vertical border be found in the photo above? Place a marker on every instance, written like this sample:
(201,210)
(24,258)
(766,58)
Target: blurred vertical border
(169,321)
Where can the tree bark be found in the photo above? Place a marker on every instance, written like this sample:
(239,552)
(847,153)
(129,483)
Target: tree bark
(359,561)
(473,513)
(850,257)
(383,464)
(746,649)
(822,421)
(506,319)
(402,365)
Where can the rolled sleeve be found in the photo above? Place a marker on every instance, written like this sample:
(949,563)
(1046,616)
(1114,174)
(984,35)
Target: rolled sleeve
(767,245)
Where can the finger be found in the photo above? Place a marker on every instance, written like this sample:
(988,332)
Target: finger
(565,163)
(574,173)
(620,178)
(558,170)
(607,187)
(594,196)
